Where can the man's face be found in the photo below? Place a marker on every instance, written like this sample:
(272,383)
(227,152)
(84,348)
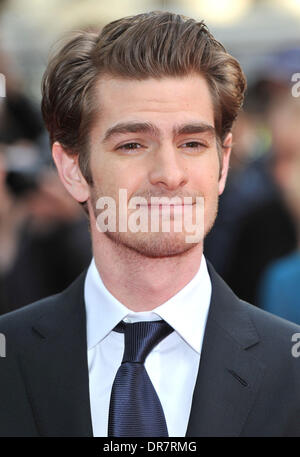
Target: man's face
(155,138)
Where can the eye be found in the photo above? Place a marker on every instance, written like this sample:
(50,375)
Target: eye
(129,146)
(194,145)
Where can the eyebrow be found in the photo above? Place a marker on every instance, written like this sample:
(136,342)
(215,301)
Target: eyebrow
(147,127)
(199,127)
(131,127)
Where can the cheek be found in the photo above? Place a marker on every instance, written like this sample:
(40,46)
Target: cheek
(207,169)
(110,178)
(206,180)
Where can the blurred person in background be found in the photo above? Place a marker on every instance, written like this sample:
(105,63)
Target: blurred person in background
(266,226)
(12,216)
(20,118)
(44,237)
(43,234)
(279,290)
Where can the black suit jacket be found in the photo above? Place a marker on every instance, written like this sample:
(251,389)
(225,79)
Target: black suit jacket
(248,382)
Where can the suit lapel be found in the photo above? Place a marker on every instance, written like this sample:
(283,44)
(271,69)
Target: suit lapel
(229,375)
(55,369)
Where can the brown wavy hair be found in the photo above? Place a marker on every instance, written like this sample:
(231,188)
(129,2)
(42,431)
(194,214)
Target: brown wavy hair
(150,45)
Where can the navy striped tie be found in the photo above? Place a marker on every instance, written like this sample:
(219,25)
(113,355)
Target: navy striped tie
(135,409)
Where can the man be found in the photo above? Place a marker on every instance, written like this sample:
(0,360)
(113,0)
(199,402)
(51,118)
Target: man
(146,107)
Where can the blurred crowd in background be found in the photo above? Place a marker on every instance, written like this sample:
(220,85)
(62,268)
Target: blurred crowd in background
(255,243)
(44,238)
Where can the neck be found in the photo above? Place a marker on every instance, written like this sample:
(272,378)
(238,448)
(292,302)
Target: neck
(142,283)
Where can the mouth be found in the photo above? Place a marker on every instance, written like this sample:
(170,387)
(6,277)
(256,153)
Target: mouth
(166,205)
(172,208)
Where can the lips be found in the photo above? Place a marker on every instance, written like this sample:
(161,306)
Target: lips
(168,208)
(166,205)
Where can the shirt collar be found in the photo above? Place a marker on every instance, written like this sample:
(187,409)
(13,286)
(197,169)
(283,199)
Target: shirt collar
(186,311)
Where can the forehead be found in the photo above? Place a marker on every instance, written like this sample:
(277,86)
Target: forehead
(164,101)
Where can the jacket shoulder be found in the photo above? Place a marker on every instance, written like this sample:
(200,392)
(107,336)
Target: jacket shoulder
(267,323)
(17,325)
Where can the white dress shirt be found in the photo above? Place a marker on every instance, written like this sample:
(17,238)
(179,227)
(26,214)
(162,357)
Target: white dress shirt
(172,365)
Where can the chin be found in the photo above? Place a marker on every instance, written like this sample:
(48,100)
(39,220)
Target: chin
(155,245)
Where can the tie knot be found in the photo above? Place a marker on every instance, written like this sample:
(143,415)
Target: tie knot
(141,338)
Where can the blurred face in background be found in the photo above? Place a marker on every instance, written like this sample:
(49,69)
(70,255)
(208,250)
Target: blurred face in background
(285,128)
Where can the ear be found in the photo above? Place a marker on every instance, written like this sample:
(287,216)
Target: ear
(70,173)
(226,151)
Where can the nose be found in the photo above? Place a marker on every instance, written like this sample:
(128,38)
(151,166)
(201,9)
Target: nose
(168,169)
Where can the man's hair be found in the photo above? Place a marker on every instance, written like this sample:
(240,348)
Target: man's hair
(150,45)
